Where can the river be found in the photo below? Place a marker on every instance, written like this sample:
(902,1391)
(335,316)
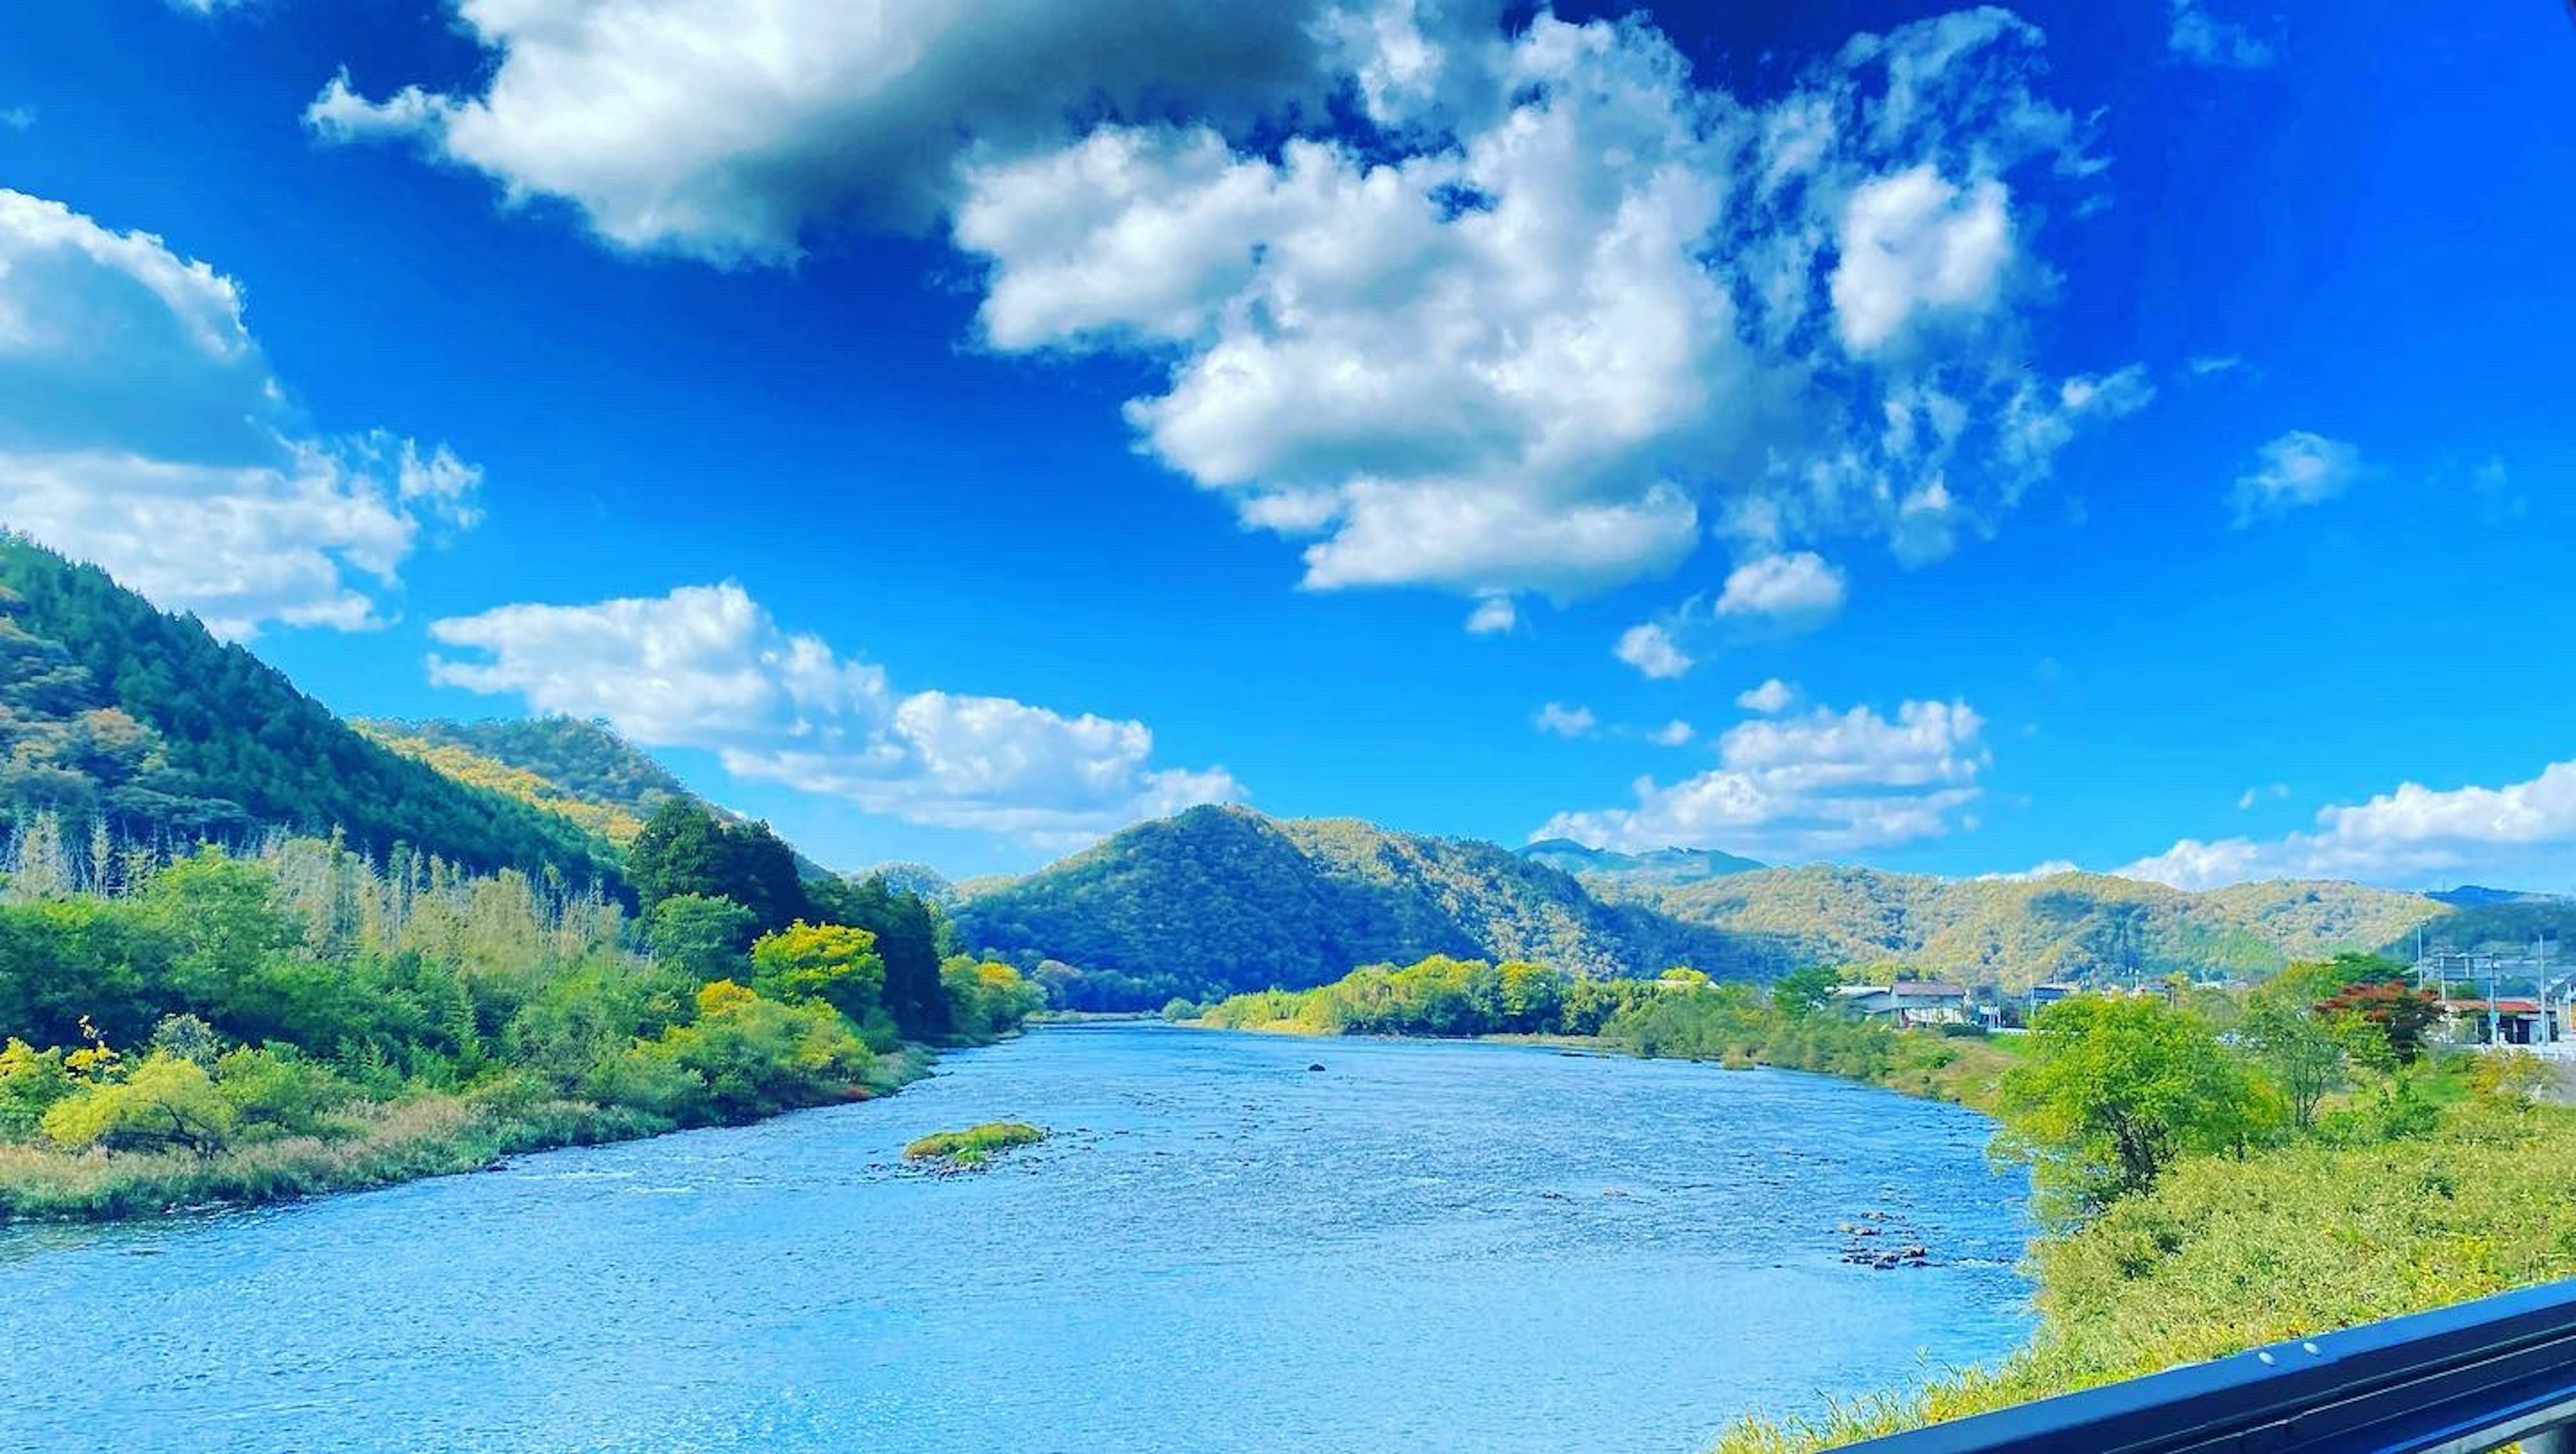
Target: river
(1423,1246)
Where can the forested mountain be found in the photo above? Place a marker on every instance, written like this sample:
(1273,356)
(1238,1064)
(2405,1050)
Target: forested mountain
(1225,898)
(578,770)
(2018,932)
(912,878)
(1654,866)
(112,712)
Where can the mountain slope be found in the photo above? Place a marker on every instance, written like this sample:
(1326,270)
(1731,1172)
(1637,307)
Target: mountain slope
(2018,932)
(574,769)
(1227,898)
(145,720)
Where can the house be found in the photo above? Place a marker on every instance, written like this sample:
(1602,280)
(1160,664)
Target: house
(2514,1022)
(1906,1003)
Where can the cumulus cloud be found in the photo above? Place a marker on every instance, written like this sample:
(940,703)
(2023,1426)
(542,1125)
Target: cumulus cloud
(1675,733)
(707,667)
(18,118)
(723,130)
(141,429)
(2203,39)
(1649,648)
(1522,351)
(1772,696)
(2295,470)
(1915,246)
(2409,837)
(1532,316)
(1797,787)
(1792,591)
(1561,721)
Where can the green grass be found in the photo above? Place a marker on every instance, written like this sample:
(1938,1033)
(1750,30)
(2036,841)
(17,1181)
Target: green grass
(974,1147)
(2225,1255)
(376,1145)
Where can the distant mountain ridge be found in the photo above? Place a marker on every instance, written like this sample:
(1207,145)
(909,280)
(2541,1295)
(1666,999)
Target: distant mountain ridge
(2018,932)
(1654,866)
(1226,898)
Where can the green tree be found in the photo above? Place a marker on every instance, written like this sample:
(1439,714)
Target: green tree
(165,1102)
(908,930)
(1801,992)
(2112,1091)
(832,963)
(701,936)
(2303,1053)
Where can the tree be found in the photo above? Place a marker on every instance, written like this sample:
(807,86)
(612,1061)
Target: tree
(2304,1054)
(685,849)
(2112,1091)
(165,1102)
(907,932)
(832,963)
(702,937)
(1801,992)
(2401,1016)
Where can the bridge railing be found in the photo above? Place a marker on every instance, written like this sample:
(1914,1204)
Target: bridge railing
(2476,1376)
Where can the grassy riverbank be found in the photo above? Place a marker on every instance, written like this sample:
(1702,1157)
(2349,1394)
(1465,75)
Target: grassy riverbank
(1682,1016)
(377,1145)
(2227,1254)
(236,1030)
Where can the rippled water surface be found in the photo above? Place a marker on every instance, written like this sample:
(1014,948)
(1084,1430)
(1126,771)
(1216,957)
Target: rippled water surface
(1423,1246)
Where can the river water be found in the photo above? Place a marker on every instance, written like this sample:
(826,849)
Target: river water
(1422,1246)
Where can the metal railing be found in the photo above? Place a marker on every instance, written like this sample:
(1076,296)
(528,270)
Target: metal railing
(2475,1376)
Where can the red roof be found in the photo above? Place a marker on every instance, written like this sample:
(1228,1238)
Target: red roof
(2502,1007)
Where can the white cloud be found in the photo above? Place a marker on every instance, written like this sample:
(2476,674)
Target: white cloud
(1493,615)
(18,118)
(2204,364)
(141,429)
(2203,39)
(1649,648)
(1675,733)
(1915,245)
(1821,783)
(1539,314)
(1794,591)
(1564,721)
(2411,836)
(2295,470)
(2050,868)
(1520,349)
(1772,696)
(707,667)
(725,129)
(2248,798)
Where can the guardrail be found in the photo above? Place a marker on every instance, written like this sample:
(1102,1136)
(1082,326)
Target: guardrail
(2457,1380)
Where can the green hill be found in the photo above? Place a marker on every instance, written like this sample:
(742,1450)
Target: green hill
(575,769)
(114,712)
(1225,898)
(2018,932)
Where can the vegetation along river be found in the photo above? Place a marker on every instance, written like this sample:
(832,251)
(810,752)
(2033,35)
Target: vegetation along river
(1423,1245)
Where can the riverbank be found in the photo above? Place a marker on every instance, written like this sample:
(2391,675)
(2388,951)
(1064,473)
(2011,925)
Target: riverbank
(2227,1254)
(377,1145)
(1962,1070)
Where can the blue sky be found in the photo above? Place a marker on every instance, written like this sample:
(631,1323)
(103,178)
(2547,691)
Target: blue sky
(2134,440)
